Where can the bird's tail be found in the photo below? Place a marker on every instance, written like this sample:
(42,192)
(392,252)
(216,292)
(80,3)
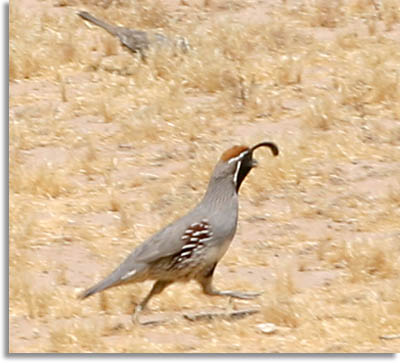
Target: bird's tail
(109,281)
(110,28)
(129,271)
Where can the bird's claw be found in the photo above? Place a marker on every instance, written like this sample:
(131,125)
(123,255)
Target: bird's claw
(241,295)
(135,315)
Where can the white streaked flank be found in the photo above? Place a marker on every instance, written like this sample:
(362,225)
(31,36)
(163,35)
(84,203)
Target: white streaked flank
(128,275)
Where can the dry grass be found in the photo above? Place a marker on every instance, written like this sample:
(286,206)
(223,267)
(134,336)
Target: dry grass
(104,150)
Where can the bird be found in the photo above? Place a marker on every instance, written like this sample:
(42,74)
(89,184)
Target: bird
(137,41)
(191,247)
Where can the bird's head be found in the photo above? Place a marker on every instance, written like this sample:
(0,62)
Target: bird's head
(237,162)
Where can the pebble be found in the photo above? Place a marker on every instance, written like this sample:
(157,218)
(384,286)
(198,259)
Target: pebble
(267,328)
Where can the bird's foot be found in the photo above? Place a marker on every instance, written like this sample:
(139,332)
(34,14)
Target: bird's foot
(239,294)
(146,321)
(136,313)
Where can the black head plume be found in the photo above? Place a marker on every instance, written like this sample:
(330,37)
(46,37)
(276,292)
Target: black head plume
(246,163)
(271,145)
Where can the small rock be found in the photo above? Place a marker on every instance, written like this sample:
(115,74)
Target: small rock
(35,333)
(267,328)
(390,336)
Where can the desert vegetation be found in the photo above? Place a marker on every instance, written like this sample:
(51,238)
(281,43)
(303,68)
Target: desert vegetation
(105,149)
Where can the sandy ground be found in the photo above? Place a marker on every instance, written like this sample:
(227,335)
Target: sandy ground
(106,149)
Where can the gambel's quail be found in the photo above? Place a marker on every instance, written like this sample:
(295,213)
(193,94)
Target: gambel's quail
(191,247)
(138,41)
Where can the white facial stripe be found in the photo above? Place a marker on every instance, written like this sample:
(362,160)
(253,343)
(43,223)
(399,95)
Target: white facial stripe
(238,157)
(235,176)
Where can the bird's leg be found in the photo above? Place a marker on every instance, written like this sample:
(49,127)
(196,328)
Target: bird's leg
(208,289)
(157,288)
(143,56)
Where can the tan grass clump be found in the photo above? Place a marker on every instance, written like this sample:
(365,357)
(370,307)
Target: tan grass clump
(45,181)
(389,13)
(152,14)
(73,338)
(321,113)
(323,13)
(281,308)
(30,53)
(366,259)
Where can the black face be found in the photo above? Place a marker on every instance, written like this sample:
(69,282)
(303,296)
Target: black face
(246,164)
